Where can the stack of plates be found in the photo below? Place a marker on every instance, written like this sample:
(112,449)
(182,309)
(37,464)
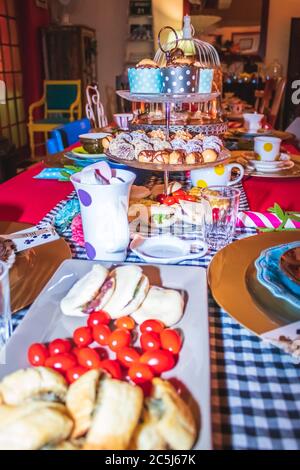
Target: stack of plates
(284,163)
(277,269)
(81,158)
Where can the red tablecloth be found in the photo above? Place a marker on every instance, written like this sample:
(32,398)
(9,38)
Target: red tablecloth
(24,199)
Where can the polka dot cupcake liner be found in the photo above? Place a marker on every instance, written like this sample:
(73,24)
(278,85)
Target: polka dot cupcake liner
(206,80)
(179,79)
(145,80)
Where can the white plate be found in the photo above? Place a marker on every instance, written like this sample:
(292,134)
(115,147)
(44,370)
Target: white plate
(45,322)
(94,135)
(167,249)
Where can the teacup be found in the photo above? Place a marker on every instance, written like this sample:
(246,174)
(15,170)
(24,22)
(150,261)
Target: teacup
(253,121)
(217,176)
(122,120)
(267,148)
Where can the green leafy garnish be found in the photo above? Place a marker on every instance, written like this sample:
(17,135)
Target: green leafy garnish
(284,217)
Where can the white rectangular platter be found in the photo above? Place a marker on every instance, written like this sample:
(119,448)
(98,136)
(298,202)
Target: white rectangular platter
(45,322)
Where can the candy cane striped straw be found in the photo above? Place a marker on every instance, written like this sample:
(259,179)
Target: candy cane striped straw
(263,220)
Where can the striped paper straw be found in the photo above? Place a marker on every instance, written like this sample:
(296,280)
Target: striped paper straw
(263,220)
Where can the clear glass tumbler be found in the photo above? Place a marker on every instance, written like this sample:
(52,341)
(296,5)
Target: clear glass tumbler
(221,206)
(5,312)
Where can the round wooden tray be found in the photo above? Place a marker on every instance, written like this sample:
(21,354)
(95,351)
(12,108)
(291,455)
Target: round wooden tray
(225,157)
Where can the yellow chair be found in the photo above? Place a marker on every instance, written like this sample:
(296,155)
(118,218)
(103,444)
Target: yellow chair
(62,103)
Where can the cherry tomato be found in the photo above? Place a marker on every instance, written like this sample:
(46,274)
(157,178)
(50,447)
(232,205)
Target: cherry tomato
(152,325)
(98,318)
(101,334)
(113,368)
(125,323)
(150,341)
(170,201)
(61,362)
(180,195)
(88,358)
(140,373)
(191,198)
(59,346)
(119,339)
(160,361)
(171,340)
(127,356)
(161,198)
(37,354)
(83,337)
(73,374)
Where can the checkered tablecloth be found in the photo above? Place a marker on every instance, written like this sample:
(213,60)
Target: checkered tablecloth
(255,387)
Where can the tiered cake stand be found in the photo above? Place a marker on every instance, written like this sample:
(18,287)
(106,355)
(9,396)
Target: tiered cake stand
(168,100)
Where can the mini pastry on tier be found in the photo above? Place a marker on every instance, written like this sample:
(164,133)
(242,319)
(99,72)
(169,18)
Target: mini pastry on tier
(146,156)
(145,78)
(179,77)
(177,157)
(162,156)
(194,157)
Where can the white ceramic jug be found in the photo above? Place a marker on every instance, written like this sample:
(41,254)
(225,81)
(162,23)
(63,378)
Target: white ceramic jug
(104,211)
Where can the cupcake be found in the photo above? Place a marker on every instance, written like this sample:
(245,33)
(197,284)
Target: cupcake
(145,78)
(206,76)
(179,77)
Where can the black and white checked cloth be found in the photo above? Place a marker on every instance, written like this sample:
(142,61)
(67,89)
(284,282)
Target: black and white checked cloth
(255,387)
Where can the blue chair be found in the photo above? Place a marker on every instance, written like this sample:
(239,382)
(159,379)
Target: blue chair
(52,147)
(69,134)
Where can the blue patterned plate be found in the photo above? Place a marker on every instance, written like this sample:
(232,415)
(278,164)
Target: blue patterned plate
(270,274)
(83,161)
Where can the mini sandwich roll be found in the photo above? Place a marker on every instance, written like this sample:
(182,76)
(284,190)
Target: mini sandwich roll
(161,304)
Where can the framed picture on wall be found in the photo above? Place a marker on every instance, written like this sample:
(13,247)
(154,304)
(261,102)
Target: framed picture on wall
(42,3)
(248,42)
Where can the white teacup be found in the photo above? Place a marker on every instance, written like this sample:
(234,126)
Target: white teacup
(122,120)
(253,121)
(267,148)
(217,176)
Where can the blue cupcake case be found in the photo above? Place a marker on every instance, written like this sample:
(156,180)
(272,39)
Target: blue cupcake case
(145,80)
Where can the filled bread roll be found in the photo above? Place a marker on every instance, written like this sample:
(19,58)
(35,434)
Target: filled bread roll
(38,383)
(33,425)
(116,414)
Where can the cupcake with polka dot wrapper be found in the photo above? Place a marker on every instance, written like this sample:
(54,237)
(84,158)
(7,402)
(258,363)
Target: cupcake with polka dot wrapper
(206,76)
(145,78)
(179,77)
(104,210)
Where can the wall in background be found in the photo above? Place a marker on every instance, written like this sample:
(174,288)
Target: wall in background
(279,29)
(109,18)
(167,13)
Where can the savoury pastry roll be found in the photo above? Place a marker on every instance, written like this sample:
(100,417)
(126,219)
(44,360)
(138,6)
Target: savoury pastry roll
(80,401)
(38,383)
(33,425)
(146,436)
(116,415)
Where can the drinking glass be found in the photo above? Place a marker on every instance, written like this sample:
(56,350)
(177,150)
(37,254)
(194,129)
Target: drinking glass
(5,313)
(221,205)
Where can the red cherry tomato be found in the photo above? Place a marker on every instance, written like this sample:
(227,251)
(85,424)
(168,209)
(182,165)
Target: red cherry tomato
(170,201)
(191,198)
(140,373)
(180,195)
(150,341)
(160,361)
(152,325)
(101,334)
(119,339)
(88,358)
(112,367)
(125,323)
(171,341)
(73,374)
(83,337)
(98,318)
(37,354)
(128,356)
(59,346)
(61,362)
(161,198)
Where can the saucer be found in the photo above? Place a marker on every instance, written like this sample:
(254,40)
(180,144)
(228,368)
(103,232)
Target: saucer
(167,249)
(284,163)
(81,153)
